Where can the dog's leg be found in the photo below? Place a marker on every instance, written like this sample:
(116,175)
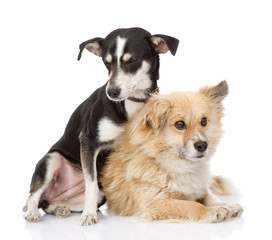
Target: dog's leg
(88,155)
(211,200)
(42,176)
(180,210)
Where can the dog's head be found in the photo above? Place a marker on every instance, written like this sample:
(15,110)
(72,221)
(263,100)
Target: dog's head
(131,57)
(186,124)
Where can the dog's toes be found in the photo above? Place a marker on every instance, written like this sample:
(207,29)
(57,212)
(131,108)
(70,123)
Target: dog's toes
(222,214)
(88,219)
(236,210)
(33,216)
(217,214)
(62,211)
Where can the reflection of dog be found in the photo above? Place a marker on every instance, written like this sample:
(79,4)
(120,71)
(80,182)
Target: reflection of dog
(61,177)
(160,167)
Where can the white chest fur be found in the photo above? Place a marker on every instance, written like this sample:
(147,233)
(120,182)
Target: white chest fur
(132,107)
(108,130)
(188,181)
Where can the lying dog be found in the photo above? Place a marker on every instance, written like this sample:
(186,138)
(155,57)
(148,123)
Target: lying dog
(160,168)
(65,179)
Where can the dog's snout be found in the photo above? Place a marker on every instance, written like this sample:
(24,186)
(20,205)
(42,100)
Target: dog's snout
(201,146)
(114,92)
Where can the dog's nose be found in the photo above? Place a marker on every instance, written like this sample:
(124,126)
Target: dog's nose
(114,92)
(201,146)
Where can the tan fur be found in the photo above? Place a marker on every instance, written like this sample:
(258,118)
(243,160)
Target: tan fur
(223,186)
(154,172)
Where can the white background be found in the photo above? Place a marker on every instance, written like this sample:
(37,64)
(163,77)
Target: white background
(42,83)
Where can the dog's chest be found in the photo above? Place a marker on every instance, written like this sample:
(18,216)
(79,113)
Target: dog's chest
(108,130)
(132,107)
(188,185)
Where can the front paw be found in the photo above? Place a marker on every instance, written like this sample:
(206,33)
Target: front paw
(216,214)
(88,219)
(235,210)
(33,216)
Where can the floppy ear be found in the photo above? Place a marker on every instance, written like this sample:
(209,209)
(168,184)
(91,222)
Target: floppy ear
(92,45)
(216,94)
(164,43)
(155,113)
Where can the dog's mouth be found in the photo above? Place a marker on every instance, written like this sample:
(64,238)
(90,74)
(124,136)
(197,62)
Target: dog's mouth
(132,99)
(116,99)
(195,157)
(199,156)
(134,96)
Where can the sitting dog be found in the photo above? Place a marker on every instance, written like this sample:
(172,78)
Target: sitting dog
(65,179)
(159,169)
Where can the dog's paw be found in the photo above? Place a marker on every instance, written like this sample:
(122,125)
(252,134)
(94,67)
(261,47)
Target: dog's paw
(62,211)
(88,219)
(235,210)
(217,214)
(33,216)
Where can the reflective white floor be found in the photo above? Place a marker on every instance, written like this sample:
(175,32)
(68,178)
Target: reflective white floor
(111,226)
(114,227)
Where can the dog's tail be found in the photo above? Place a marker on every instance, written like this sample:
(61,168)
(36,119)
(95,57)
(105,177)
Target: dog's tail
(223,186)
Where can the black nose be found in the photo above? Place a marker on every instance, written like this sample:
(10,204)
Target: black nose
(114,92)
(201,146)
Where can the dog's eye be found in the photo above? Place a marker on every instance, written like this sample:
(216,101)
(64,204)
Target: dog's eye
(132,60)
(180,125)
(107,59)
(106,63)
(203,122)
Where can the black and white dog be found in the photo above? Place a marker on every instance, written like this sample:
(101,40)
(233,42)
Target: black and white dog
(65,179)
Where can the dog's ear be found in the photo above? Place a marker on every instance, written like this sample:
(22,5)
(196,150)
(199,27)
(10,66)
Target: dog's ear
(216,94)
(92,45)
(163,43)
(155,113)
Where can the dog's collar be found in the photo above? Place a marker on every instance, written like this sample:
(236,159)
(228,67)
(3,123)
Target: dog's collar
(139,100)
(143,100)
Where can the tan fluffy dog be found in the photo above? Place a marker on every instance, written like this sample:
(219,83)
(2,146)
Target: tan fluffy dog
(160,167)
